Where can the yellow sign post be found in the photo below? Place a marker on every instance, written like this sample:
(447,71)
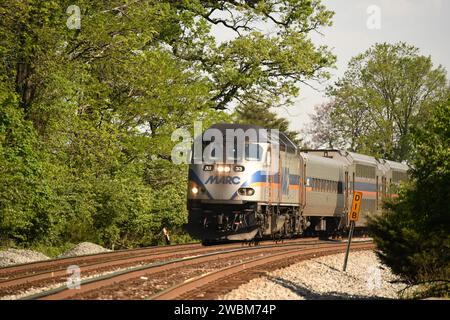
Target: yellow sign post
(353,215)
(356,206)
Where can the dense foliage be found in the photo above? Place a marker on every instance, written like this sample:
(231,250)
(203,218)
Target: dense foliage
(386,91)
(392,103)
(87,113)
(262,116)
(413,234)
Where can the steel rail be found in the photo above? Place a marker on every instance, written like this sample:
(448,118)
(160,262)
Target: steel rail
(28,267)
(182,290)
(95,283)
(113,261)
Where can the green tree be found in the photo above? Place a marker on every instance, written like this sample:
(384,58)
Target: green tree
(257,67)
(19,171)
(260,115)
(322,129)
(413,234)
(385,92)
(87,113)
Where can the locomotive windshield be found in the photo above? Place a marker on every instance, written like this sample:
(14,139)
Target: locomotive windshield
(231,152)
(253,152)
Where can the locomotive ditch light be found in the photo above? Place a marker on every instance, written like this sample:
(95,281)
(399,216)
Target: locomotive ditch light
(194,190)
(208,167)
(239,168)
(246,191)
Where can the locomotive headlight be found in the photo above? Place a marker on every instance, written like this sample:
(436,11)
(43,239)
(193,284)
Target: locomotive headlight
(194,190)
(223,168)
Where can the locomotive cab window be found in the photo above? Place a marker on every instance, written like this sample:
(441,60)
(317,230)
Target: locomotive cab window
(212,151)
(253,152)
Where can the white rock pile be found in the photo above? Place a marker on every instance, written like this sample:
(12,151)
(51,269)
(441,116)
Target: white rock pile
(19,256)
(323,278)
(83,248)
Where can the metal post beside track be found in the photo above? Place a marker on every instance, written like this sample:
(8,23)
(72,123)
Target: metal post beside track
(350,234)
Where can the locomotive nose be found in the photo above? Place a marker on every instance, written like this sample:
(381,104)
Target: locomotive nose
(218,181)
(224,181)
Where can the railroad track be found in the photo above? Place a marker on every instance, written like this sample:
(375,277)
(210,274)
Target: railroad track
(197,276)
(17,270)
(217,283)
(20,278)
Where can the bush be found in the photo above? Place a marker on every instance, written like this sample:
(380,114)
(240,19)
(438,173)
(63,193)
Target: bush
(413,233)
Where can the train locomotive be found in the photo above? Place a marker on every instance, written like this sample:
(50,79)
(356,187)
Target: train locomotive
(271,188)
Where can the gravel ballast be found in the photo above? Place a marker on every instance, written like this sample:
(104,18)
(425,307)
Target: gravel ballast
(11,256)
(82,249)
(18,256)
(323,278)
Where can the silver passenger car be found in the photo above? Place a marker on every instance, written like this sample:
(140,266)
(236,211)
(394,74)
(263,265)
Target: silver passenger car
(268,187)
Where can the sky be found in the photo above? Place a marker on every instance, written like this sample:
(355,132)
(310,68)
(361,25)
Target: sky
(422,23)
